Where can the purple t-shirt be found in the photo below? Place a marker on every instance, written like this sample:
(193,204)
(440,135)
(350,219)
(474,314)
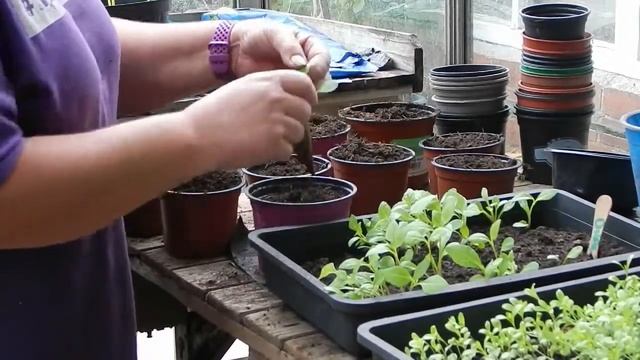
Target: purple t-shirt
(59,73)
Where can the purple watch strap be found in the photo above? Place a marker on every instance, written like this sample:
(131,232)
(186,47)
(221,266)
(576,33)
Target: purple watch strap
(219,50)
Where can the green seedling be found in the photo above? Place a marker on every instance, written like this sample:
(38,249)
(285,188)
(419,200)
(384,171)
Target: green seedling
(493,208)
(528,202)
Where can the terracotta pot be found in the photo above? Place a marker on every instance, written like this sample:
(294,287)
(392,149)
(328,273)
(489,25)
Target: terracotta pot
(321,145)
(431,153)
(562,91)
(554,102)
(323,164)
(145,221)
(549,82)
(560,48)
(200,225)
(376,182)
(407,133)
(469,182)
(268,214)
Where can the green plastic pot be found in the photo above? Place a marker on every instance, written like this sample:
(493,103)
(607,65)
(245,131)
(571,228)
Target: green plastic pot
(568,72)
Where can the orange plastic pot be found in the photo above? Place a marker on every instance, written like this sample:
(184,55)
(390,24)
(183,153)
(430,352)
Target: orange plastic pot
(200,225)
(469,182)
(376,182)
(404,132)
(558,102)
(559,91)
(145,221)
(548,82)
(558,48)
(431,153)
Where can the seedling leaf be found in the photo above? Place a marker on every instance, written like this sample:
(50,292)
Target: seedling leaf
(532,266)
(575,252)
(546,195)
(464,255)
(434,284)
(327,270)
(396,276)
(507,245)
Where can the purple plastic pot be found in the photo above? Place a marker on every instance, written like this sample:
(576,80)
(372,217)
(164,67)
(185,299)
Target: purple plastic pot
(268,214)
(323,164)
(322,145)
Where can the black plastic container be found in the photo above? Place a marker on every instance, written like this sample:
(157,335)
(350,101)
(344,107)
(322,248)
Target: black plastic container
(589,174)
(553,64)
(556,21)
(155,11)
(387,338)
(282,250)
(467,70)
(494,124)
(538,132)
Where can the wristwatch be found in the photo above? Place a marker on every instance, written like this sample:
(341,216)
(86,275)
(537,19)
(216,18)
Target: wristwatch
(219,51)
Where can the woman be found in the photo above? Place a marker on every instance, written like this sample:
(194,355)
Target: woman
(68,172)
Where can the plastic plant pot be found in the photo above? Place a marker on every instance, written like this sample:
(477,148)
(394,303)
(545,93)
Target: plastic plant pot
(555,21)
(467,70)
(268,214)
(563,49)
(155,11)
(484,106)
(543,71)
(532,60)
(200,225)
(323,165)
(540,131)
(559,91)
(587,110)
(549,82)
(631,122)
(404,132)
(470,92)
(321,145)
(469,182)
(376,182)
(431,153)
(145,221)
(562,102)
(483,79)
(573,171)
(494,124)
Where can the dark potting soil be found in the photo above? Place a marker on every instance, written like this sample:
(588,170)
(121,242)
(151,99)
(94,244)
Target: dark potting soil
(529,245)
(297,194)
(325,125)
(462,141)
(358,150)
(470,161)
(210,182)
(392,113)
(293,167)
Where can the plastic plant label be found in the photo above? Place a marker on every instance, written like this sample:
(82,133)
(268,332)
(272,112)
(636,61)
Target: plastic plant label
(603,207)
(418,166)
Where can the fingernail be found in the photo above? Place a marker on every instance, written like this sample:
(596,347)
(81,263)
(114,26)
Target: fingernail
(298,61)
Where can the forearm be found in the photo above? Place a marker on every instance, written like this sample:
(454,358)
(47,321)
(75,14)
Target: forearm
(68,186)
(162,63)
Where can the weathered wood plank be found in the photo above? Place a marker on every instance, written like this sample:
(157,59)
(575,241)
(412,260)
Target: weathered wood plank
(137,245)
(201,279)
(316,346)
(278,325)
(239,301)
(161,259)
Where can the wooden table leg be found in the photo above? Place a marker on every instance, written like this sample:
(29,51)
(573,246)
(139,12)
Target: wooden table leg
(197,339)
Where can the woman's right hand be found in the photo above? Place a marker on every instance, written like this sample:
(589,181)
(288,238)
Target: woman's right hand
(252,120)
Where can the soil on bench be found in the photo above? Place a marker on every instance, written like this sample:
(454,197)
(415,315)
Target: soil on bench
(476,162)
(390,113)
(462,140)
(325,126)
(211,182)
(358,150)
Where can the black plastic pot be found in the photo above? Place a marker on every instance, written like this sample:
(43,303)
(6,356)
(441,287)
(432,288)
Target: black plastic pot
(555,21)
(468,70)
(280,253)
(538,132)
(555,64)
(588,174)
(387,338)
(494,124)
(155,11)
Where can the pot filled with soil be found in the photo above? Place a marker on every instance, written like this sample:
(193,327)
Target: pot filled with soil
(471,142)
(494,124)
(200,216)
(155,11)
(145,221)
(394,262)
(327,132)
(397,123)
(293,167)
(469,173)
(295,201)
(555,21)
(379,170)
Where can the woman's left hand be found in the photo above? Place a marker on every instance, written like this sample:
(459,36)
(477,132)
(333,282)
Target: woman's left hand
(258,45)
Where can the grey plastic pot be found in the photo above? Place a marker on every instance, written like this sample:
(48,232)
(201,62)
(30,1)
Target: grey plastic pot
(469,92)
(470,106)
(502,79)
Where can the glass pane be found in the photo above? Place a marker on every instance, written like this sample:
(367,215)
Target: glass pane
(425,18)
(499,11)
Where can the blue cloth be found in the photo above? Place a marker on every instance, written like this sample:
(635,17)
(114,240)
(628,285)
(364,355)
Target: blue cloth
(344,63)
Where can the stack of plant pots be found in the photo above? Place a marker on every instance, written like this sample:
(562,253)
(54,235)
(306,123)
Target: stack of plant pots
(555,95)
(470,98)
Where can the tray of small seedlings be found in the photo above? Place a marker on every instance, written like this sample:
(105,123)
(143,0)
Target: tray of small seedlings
(426,252)
(592,318)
